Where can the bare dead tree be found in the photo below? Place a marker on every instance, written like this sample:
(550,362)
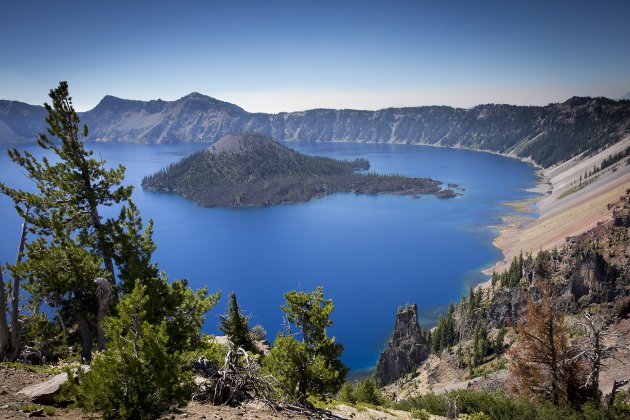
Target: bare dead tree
(286,328)
(452,407)
(597,345)
(238,380)
(610,398)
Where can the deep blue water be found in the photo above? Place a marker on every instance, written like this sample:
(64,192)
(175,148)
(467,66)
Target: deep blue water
(370,253)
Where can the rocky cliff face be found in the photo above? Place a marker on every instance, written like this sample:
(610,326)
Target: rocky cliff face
(20,121)
(406,348)
(591,272)
(548,134)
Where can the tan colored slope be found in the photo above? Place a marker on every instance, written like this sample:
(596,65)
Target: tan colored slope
(560,214)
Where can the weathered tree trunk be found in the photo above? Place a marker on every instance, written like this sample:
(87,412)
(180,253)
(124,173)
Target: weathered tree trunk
(15,300)
(86,339)
(104,295)
(103,246)
(4,326)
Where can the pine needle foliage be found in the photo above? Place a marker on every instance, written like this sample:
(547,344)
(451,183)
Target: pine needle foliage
(136,376)
(542,364)
(235,325)
(311,366)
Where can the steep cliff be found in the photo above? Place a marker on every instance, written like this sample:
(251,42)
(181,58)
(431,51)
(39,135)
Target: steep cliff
(548,134)
(406,348)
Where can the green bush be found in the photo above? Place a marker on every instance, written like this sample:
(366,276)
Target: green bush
(420,414)
(211,350)
(474,416)
(311,367)
(366,392)
(347,393)
(136,376)
(498,406)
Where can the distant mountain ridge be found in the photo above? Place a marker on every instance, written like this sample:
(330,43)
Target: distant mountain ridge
(548,134)
(20,121)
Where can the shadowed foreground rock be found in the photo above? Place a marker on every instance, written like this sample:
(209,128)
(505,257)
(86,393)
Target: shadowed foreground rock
(45,392)
(406,348)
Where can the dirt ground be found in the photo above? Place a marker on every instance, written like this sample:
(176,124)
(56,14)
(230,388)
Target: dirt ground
(15,406)
(14,379)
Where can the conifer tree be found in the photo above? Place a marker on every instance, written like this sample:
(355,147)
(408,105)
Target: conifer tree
(74,247)
(72,190)
(136,376)
(65,210)
(542,363)
(234,324)
(311,366)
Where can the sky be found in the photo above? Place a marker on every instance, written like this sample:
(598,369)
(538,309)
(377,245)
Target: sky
(272,56)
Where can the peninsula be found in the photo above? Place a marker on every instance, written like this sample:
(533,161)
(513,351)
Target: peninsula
(254,170)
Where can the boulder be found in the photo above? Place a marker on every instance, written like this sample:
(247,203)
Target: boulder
(45,392)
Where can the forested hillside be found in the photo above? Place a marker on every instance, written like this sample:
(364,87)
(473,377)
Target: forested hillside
(251,169)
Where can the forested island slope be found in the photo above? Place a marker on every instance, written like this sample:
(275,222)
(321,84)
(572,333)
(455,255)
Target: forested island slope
(253,170)
(547,134)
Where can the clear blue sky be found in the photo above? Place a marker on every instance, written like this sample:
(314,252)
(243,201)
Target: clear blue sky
(272,56)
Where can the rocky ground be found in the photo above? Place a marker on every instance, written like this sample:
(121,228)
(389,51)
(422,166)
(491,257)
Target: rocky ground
(14,405)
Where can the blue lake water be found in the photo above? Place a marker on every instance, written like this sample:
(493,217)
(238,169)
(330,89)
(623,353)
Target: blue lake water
(370,253)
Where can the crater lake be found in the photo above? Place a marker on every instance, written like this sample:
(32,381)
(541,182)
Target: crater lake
(370,253)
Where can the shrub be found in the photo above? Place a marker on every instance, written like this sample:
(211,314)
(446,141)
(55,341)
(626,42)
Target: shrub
(366,392)
(420,414)
(347,393)
(136,376)
(258,333)
(498,406)
(311,367)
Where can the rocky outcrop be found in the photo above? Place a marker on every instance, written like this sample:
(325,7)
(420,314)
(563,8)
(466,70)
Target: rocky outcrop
(406,348)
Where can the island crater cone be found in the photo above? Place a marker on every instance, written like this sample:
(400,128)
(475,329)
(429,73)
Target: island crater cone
(254,170)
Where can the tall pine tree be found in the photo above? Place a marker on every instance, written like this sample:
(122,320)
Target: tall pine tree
(65,211)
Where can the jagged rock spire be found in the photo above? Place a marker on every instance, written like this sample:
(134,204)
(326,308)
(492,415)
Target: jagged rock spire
(406,348)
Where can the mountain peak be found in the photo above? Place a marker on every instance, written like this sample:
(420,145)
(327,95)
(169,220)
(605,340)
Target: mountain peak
(196,95)
(626,96)
(243,143)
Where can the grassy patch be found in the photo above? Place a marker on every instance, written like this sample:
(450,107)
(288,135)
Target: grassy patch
(488,368)
(578,187)
(28,407)
(45,369)
(499,406)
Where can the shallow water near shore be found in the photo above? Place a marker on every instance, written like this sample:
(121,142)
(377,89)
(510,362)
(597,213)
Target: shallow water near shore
(370,253)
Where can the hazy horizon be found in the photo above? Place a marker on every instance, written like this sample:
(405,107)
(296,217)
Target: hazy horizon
(285,56)
(304,109)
